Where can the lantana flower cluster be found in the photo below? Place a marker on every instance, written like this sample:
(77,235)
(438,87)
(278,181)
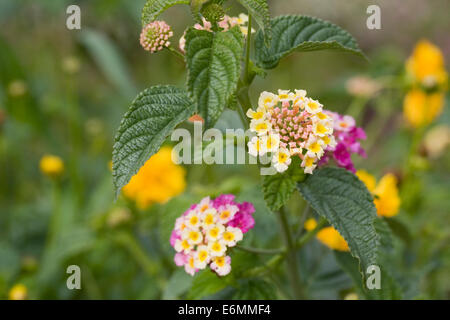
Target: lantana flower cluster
(155,36)
(347,136)
(226,23)
(290,124)
(203,234)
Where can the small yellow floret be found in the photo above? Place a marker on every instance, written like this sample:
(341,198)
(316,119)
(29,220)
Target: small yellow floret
(51,166)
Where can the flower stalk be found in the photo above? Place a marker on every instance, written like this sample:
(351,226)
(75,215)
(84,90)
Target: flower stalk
(291,257)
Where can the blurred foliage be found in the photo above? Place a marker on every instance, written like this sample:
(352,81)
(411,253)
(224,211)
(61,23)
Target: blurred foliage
(63,92)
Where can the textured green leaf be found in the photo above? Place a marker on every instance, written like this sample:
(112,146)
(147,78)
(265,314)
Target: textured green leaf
(259,9)
(390,288)
(153,8)
(152,116)
(301,33)
(213,61)
(350,266)
(340,197)
(279,187)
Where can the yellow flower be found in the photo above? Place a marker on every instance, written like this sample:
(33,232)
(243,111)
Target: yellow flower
(17,88)
(351,296)
(51,165)
(426,64)
(18,292)
(420,108)
(329,236)
(157,181)
(386,198)
(437,140)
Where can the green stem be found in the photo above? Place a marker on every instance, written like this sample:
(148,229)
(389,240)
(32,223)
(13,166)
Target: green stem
(291,259)
(247,50)
(141,257)
(356,106)
(244,99)
(260,251)
(75,138)
(302,220)
(310,234)
(245,81)
(267,267)
(176,53)
(243,116)
(55,215)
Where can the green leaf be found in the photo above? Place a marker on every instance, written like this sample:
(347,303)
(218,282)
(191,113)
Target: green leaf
(151,118)
(390,287)
(109,60)
(259,9)
(301,33)
(207,283)
(178,284)
(153,8)
(399,229)
(214,64)
(340,197)
(350,265)
(279,187)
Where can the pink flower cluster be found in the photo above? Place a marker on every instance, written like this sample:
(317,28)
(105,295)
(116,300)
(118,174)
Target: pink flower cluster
(225,24)
(155,36)
(206,230)
(347,136)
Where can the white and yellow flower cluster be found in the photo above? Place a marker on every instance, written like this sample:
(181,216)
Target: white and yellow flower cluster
(202,236)
(290,124)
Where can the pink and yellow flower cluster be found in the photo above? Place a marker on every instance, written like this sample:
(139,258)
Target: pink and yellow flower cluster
(290,124)
(155,36)
(206,230)
(347,136)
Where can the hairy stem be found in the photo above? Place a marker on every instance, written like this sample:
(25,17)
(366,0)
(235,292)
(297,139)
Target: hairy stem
(247,50)
(291,258)
(176,53)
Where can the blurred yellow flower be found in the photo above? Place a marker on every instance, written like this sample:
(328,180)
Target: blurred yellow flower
(157,181)
(426,64)
(437,140)
(329,236)
(421,108)
(51,165)
(17,88)
(351,296)
(362,86)
(386,197)
(18,292)
(118,216)
(71,65)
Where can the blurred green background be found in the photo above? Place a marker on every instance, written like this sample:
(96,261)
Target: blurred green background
(63,92)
